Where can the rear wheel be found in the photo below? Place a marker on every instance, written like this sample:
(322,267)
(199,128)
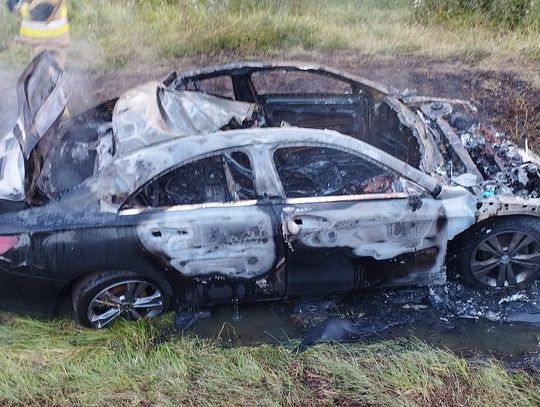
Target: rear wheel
(504,252)
(101,299)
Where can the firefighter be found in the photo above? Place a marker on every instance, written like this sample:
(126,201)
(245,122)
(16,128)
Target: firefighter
(44,26)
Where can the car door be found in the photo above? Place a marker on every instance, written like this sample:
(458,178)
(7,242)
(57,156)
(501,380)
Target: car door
(201,224)
(309,99)
(348,223)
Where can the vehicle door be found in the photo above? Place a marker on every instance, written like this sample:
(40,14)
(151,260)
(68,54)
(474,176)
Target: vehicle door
(348,223)
(201,223)
(310,99)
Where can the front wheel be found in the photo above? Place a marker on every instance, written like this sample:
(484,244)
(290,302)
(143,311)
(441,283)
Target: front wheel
(503,253)
(100,299)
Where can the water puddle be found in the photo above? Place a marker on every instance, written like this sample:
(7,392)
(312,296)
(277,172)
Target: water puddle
(407,312)
(254,324)
(478,338)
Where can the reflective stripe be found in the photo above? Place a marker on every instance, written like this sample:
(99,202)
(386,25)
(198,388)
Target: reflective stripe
(37,29)
(24,10)
(64,11)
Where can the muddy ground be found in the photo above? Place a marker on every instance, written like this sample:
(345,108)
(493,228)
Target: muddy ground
(470,322)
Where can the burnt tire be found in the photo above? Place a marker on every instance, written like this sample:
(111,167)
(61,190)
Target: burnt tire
(502,253)
(101,298)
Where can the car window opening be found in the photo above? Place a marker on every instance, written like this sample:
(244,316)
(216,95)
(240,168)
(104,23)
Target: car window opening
(215,179)
(323,172)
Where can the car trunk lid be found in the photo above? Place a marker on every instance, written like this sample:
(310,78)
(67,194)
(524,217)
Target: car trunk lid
(42,99)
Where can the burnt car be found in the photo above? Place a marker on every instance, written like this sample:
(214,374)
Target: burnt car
(253,182)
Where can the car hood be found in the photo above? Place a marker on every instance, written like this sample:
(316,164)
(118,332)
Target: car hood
(476,155)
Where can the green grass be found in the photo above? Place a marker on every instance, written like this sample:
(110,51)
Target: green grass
(57,364)
(122,33)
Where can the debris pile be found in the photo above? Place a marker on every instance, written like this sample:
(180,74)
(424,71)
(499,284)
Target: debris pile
(503,164)
(457,300)
(440,307)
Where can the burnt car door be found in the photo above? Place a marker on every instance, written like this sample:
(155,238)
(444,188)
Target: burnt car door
(348,223)
(311,99)
(202,224)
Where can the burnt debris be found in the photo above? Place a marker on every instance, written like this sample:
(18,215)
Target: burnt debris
(504,166)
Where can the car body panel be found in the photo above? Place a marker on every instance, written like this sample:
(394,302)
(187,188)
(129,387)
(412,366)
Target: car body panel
(42,97)
(210,253)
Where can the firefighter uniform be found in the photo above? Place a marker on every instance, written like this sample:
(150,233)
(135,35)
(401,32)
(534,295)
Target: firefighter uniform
(44,26)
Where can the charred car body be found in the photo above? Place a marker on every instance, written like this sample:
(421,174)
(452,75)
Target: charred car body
(226,184)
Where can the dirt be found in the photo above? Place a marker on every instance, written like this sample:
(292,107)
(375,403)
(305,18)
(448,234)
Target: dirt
(505,94)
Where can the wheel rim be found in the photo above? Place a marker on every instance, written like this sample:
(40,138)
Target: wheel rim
(133,299)
(506,259)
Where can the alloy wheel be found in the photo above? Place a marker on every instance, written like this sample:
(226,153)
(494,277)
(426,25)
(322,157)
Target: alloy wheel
(506,259)
(132,299)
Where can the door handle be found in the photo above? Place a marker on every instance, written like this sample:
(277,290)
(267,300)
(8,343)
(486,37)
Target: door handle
(294,226)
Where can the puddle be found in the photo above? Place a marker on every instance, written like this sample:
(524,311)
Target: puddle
(478,338)
(405,310)
(254,324)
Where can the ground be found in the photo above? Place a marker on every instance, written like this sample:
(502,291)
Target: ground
(54,363)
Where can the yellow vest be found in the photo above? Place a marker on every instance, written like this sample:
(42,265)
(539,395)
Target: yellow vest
(54,27)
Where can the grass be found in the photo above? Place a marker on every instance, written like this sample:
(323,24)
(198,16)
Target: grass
(508,13)
(122,33)
(57,364)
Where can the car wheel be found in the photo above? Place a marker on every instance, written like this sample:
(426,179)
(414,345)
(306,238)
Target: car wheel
(100,299)
(503,253)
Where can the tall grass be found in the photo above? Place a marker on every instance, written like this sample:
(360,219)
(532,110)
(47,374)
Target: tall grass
(132,32)
(58,364)
(512,14)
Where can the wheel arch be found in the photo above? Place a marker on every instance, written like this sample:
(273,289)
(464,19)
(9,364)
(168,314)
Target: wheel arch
(483,222)
(457,244)
(503,207)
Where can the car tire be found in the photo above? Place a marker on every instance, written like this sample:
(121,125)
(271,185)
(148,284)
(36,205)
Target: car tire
(101,298)
(502,253)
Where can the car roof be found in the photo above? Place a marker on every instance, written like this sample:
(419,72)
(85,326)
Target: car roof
(252,66)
